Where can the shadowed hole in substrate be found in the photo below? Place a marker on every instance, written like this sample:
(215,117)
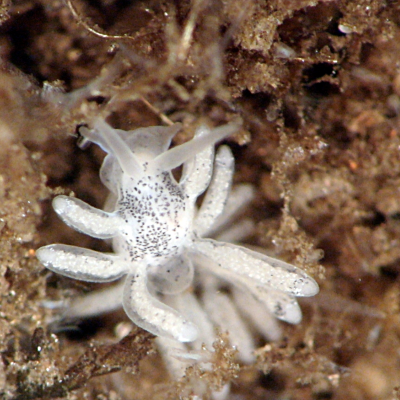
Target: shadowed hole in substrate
(272,381)
(322,89)
(77,330)
(22,33)
(375,220)
(390,272)
(317,71)
(258,101)
(291,117)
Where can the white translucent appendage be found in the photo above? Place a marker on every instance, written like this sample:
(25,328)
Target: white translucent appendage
(152,315)
(79,263)
(87,219)
(239,197)
(217,194)
(263,269)
(283,305)
(178,155)
(197,172)
(110,141)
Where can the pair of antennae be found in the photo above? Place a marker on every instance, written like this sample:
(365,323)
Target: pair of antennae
(111,142)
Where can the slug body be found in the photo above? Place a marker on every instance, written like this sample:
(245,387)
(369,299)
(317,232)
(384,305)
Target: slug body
(157,231)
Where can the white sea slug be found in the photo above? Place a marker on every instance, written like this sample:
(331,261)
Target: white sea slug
(157,230)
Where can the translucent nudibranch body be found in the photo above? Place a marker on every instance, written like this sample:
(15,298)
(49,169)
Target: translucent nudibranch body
(157,231)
